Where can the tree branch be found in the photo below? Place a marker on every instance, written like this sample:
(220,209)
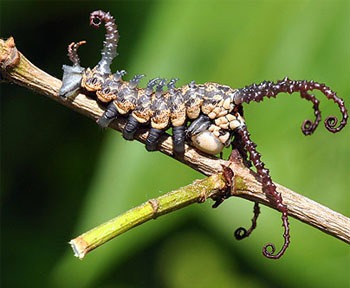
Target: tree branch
(15,68)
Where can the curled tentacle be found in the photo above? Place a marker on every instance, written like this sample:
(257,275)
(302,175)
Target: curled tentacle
(308,127)
(269,188)
(109,51)
(73,52)
(271,254)
(256,92)
(241,232)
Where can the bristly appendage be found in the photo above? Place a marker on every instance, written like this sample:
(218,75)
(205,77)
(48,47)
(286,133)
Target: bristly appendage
(73,52)
(207,116)
(269,188)
(241,232)
(110,45)
(269,89)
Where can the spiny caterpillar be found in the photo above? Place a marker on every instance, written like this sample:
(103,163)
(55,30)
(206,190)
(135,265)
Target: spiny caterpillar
(208,116)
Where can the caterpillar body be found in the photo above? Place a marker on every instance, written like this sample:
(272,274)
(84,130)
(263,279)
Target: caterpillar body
(208,116)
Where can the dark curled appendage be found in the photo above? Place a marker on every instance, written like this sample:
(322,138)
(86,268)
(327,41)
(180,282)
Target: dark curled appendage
(109,51)
(241,232)
(256,92)
(269,188)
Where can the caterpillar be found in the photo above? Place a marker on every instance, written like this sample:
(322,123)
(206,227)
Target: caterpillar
(207,116)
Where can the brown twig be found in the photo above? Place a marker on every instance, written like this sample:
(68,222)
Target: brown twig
(15,68)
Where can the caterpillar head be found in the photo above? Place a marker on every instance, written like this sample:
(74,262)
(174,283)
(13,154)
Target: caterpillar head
(210,142)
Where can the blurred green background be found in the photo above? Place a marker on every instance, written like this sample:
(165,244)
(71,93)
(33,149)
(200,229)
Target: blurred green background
(61,174)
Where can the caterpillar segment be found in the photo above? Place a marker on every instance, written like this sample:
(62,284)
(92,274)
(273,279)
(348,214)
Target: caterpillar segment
(110,87)
(208,116)
(142,112)
(177,117)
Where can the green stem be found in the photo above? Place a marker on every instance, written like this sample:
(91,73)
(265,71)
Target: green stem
(198,191)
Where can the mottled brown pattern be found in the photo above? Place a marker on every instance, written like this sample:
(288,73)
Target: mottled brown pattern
(93,80)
